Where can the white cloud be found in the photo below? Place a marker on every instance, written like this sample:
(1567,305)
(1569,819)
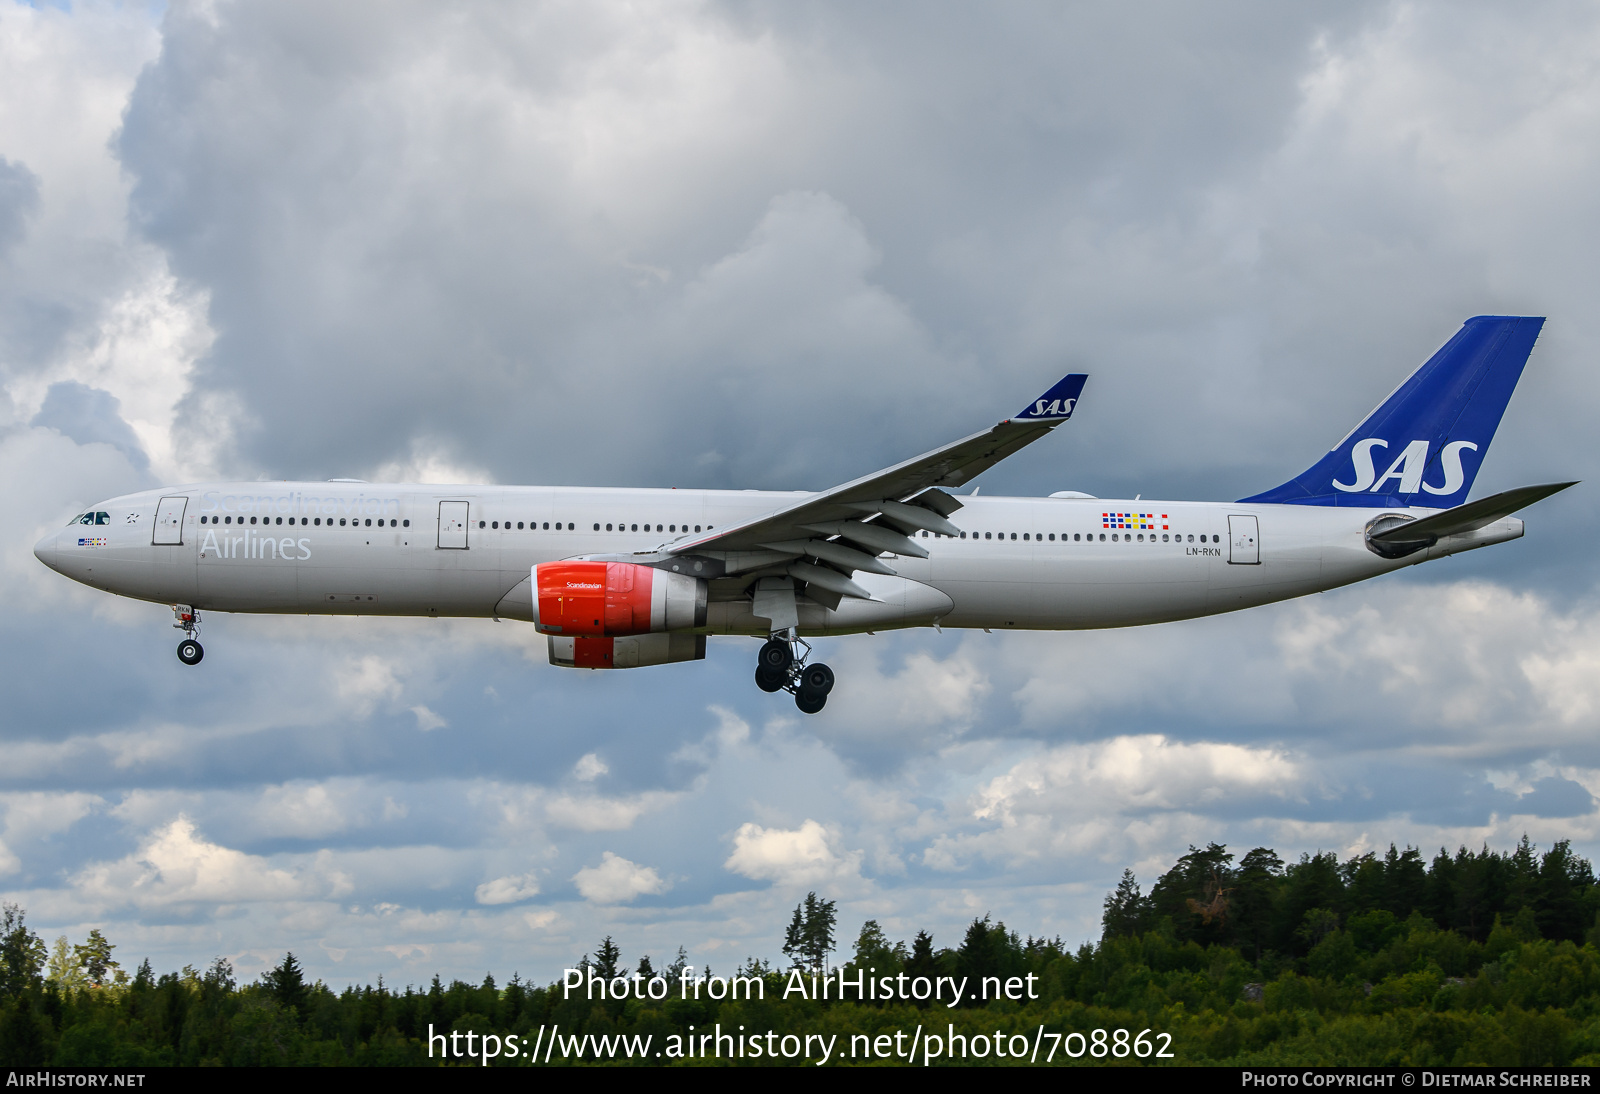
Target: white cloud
(507,890)
(1110,799)
(36,814)
(1135,775)
(365,681)
(427,720)
(589,768)
(617,881)
(175,865)
(304,811)
(790,856)
(592,813)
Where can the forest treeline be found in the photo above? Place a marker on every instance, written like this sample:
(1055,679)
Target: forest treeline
(1474,958)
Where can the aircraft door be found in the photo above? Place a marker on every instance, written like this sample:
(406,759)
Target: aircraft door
(169,521)
(453,525)
(1244,549)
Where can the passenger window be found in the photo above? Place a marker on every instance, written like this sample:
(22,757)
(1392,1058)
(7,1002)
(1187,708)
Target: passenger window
(924,535)
(963,535)
(1013,535)
(403,524)
(519,526)
(696,527)
(596,527)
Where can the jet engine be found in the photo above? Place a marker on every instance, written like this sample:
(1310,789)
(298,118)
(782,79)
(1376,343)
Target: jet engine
(614,599)
(626,653)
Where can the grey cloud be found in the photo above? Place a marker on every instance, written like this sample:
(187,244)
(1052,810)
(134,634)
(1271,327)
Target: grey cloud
(19,199)
(1556,797)
(90,416)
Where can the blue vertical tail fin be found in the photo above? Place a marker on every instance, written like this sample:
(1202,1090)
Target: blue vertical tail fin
(1424,444)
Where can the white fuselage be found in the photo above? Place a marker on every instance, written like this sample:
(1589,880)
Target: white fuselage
(1026,563)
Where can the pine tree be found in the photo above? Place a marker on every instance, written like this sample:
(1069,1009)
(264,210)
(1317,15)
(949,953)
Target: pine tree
(1124,915)
(809,939)
(22,953)
(674,971)
(607,955)
(95,958)
(287,984)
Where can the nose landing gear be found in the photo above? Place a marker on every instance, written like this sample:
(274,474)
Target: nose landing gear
(778,668)
(187,620)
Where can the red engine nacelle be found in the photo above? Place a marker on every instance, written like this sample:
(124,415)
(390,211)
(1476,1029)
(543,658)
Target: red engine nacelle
(612,599)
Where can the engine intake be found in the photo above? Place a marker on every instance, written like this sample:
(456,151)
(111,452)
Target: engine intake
(614,599)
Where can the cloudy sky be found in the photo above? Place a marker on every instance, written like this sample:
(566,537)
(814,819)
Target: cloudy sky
(761,245)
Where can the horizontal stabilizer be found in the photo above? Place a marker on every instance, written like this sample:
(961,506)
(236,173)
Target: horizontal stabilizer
(1469,517)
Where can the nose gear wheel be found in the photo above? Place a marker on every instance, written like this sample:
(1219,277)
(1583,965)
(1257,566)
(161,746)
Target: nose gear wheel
(187,620)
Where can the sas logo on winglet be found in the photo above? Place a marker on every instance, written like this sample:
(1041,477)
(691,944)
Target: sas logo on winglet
(1058,403)
(1407,468)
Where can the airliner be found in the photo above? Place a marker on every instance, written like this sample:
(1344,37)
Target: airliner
(623,578)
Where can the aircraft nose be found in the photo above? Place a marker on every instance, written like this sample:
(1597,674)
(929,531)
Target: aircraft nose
(48,551)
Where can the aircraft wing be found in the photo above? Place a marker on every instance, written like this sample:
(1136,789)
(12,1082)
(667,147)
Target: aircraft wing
(844,529)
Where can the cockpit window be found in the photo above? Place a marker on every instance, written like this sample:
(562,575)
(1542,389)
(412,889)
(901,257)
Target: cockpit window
(102,518)
(90,518)
(77,519)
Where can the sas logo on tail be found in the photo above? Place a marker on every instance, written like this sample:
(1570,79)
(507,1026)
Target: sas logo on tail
(1407,468)
(1052,408)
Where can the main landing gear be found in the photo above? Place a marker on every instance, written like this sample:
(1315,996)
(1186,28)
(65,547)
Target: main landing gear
(187,620)
(778,669)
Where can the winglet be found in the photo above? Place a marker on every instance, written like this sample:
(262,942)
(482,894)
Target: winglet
(1057,404)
